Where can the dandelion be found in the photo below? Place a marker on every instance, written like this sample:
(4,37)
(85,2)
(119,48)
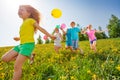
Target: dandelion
(72,78)
(94,76)
(63,78)
(2,75)
(74,66)
(1,69)
(73,58)
(0,63)
(49,79)
(89,72)
(118,67)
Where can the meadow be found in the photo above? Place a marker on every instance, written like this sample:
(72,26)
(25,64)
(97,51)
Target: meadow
(48,65)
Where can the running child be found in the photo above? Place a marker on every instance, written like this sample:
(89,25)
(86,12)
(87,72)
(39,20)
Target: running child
(75,37)
(91,35)
(29,26)
(58,39)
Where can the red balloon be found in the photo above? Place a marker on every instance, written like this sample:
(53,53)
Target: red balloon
(45,37)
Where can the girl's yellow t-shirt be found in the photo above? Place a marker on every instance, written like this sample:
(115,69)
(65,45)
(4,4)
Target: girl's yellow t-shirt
(27,31)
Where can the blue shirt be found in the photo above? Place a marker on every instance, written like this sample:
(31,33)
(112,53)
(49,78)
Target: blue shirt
(68,35)
(74,33)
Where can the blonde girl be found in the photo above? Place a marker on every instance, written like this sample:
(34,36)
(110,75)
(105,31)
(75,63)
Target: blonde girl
(29,26)
(91,35)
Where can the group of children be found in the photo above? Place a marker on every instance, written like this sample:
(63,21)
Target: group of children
(30,25)
(72,38)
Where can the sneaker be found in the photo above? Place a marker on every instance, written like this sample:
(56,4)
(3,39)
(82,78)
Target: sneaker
(32,58)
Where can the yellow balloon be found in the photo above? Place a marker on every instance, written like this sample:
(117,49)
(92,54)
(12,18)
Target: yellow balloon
(56,13)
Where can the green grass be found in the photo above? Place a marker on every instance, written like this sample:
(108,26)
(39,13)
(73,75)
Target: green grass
(48,65)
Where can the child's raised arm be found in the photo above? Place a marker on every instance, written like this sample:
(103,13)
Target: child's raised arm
(61,36)
(84,31)
(43,31)
(101,31)
(63,31)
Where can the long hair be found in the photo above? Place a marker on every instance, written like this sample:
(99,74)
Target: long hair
(34,13)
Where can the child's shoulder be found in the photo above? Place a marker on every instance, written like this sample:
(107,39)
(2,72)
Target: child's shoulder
(30,19)
(69,29)
(93,30)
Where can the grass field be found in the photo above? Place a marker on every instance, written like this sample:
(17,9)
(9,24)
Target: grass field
(48,65)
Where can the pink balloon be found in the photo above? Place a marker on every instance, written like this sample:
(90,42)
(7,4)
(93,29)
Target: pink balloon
(63,26)
(45,37)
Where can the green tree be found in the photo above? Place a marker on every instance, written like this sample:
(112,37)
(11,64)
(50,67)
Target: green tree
(114,27)
(47,41)
(39,40)
(82,37)
(98,35)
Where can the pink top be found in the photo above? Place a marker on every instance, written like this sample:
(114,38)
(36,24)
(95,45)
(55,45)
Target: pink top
(91,35)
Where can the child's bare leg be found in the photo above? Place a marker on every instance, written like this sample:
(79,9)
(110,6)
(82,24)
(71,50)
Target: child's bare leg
(9,56)
(94,46)
(66,47)
(91,46)
(56,49)
(18,67)
(81,51)
(71,48)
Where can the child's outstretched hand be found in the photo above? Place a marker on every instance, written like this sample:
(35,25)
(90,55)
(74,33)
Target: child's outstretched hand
(16,38)
(61,28)
(53,37)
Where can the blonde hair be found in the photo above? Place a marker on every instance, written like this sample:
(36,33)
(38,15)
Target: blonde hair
(34,13)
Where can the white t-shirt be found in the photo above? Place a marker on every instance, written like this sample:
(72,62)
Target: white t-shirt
(57,41)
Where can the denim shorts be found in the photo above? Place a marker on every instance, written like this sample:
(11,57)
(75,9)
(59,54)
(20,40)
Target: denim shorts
(75,44)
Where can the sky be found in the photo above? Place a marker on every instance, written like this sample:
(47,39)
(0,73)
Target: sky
(83,12)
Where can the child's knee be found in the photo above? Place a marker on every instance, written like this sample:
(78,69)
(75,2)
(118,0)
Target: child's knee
(3,58)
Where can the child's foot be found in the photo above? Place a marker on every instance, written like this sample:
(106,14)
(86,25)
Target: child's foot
(81,51)
(32,58)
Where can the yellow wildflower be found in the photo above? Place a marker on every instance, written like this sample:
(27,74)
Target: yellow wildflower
(89,72)
(62,77)
(118,67)
(72,78)
(49,79)
(1,68)
(2,75)
(94,76)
